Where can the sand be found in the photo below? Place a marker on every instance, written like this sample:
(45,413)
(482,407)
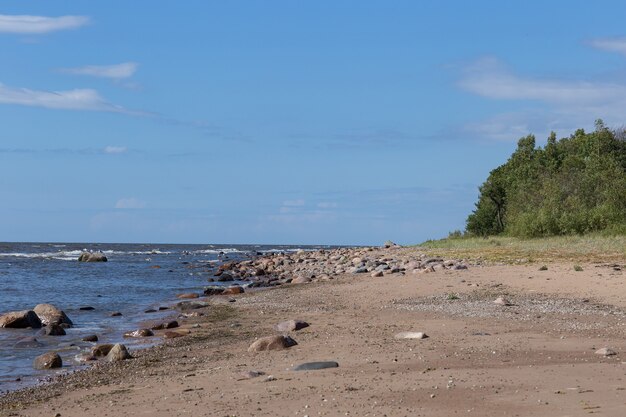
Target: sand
(535,357)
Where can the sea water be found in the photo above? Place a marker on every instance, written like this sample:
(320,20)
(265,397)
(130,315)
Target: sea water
(136,278)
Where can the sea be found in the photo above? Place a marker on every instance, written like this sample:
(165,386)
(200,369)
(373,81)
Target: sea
(136,278)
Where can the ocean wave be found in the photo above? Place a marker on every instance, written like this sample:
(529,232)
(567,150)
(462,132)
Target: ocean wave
(73,255)
(214,251)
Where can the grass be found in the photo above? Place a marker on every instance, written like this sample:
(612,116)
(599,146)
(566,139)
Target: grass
(580,249)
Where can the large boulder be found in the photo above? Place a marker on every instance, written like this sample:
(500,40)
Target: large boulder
(20,320)
(92,257)
(48,361)
(272,343)
(118,353)
(50,314)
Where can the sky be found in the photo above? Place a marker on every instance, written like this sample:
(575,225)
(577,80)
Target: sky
(283,122)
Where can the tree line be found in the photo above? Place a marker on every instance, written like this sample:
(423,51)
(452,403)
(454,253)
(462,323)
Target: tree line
(573,185)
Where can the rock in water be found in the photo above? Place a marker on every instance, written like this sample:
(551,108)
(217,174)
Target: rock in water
(20,320)
(605,352)
(291,325)
(118,353)
(90,338)
(27,342)
(92,257)
(272,343)
(50,314)
(411,335)
(233,290)
(501,301)
(53,330)
(48,361)
(314,366)
(188,295)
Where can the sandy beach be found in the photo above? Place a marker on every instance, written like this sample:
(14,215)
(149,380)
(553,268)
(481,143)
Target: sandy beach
(534,357)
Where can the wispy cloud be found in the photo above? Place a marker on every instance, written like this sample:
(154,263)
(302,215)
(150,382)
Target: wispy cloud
(78,99)
(130,203)
(24,24)
(116,72)
(609,44)
(556,103)
(115,149)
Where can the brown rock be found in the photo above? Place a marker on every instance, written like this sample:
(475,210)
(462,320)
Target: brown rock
(100,351)
(300,280)
(233,290)
(90,338)
(53,330)
(48,360)
(291,325)
(20,320)
(189,295)
(172,335)
(118,353)
(50,314)
(166,325)
(272,343)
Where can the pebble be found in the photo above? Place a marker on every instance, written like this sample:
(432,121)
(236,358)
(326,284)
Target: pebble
(411,335)
(605,352)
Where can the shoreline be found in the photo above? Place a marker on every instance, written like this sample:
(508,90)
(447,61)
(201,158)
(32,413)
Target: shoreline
(556,318)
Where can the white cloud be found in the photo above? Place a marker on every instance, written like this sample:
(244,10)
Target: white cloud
(130,203)
(561,105)
(609,44)
(24,24)
(117,71)
(115,149)
(78,99)
(490,79)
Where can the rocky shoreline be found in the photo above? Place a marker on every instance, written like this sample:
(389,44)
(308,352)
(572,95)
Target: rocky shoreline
(429,336)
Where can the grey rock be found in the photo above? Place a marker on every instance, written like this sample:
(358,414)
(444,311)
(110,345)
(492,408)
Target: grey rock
(92,257)
(48,360)
(50,314)
(118,353)
(314,366)
(291,325)
(20,320)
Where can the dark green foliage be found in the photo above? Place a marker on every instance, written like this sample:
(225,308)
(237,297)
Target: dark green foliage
(574,185)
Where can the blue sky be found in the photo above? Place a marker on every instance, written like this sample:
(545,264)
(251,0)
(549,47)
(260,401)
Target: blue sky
(323,122)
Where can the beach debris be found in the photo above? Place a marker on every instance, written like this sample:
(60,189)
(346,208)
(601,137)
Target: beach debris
(314,366)
(605,351)
(48,360)
(272,343)
(90,338)
(118,353)
(92,257)
(411,335)
(20,320)
(501,301)
(139,333)
(50,314)
(291,325)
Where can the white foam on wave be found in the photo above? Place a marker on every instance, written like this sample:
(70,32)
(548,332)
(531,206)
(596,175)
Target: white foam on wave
(216,251)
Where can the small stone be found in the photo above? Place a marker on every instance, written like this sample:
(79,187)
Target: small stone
(251,374)
(272,343)
(502,301)
(53,330)
(118,353)
(376,274)
(291,325)
(605,352)
(86,308)
(314,366)
(116,314)
(233,290)
(188,295)
(139,333)
(172,334)
(90,338)
(411,335)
